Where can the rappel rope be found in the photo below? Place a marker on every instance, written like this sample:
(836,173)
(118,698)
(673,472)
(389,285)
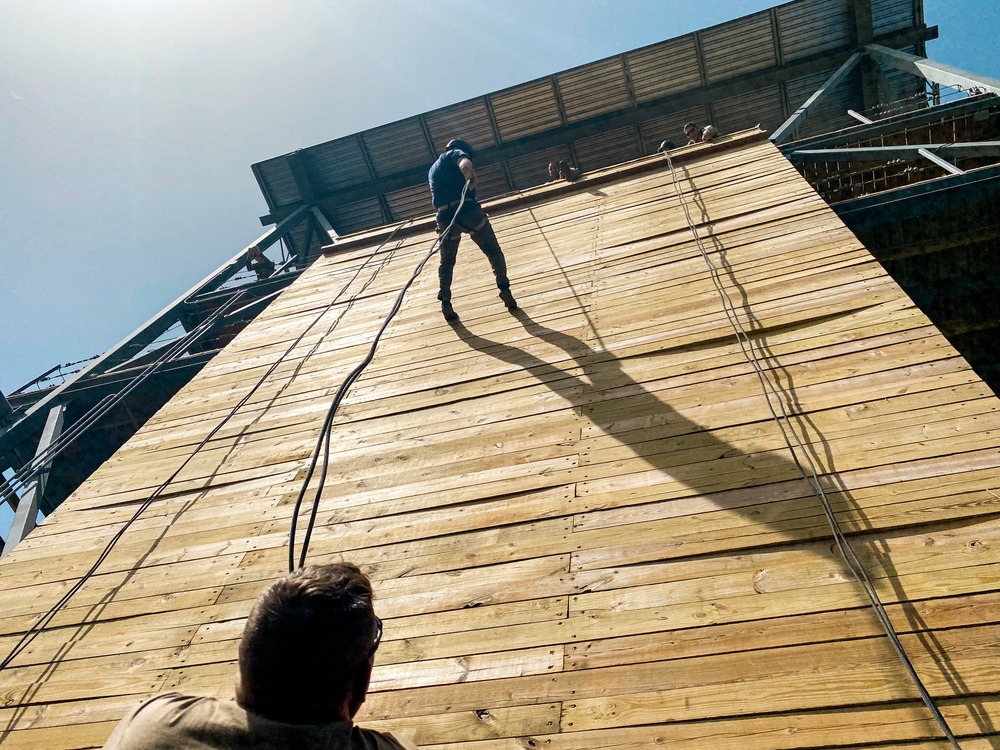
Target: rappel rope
(323,441)
(40,462)
(811,475)
(37,627)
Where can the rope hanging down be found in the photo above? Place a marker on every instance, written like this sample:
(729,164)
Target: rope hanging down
(45,619)
(323,441)
(811,474)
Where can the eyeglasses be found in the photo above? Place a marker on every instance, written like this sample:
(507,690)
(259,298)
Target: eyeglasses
(378,640)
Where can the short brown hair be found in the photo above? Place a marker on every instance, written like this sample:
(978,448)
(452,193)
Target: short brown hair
(304,640)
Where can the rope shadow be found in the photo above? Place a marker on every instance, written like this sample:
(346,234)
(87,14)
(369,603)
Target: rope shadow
(812,437)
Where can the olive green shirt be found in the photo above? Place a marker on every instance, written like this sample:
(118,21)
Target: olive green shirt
(185,722)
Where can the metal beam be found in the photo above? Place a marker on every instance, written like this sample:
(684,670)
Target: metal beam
(893,124)
(887,153)
(27,507)
(859,117)
(325,223)
(94,389)
(933,71)
(947,166)
(156,326)
(252,309)
(939,196)
(802,112)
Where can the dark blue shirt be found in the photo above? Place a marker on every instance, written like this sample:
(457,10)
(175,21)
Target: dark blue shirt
(447,180)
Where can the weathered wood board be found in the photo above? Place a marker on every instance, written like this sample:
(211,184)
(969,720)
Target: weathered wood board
(584,525)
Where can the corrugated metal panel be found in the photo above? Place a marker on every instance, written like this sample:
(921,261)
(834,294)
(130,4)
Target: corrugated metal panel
(468,120)
(398,147)
(813,26)
(338,164)
(355,217)
(409,202)
(526,109)
(670,128)
(664,68)
(738,47)
(761,107)
(593,89)
(831,113)
(890,15)
(278,181)
(492,181)
(533,169)
(606,149)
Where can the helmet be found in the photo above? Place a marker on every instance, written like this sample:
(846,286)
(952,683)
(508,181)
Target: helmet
(461,145)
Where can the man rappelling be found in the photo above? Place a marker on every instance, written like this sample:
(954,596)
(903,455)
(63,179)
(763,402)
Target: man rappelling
(447,178)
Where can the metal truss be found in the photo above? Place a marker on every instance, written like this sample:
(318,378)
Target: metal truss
(34,432)
(931,71)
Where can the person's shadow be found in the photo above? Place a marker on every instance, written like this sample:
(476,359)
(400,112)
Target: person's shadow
(687,452)
(683,450)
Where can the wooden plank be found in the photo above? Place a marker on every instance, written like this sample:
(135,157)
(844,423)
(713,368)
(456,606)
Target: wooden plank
(582,525)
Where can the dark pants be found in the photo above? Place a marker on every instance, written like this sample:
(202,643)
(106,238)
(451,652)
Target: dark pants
(474,221)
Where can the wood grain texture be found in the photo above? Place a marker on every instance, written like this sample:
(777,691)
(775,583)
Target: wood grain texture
(584,526)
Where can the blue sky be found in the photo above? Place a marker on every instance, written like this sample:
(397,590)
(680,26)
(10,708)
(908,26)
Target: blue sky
(127,127)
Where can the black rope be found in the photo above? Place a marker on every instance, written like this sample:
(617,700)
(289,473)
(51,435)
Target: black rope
(41,461)
(811,476)
(323,441)
(42,622)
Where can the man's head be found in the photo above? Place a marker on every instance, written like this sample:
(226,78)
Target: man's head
(461,145)
(553,170)
(666,146)
(307,649)
(692,131)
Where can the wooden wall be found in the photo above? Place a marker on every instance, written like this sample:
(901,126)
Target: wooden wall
(584,527)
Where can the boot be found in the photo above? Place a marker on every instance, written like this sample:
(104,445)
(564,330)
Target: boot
(508,299)
(448,311)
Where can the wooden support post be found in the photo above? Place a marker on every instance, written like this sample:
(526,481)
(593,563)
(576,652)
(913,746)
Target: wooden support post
(27,508)
(864,32)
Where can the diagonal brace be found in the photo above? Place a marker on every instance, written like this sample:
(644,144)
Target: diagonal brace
(789,125)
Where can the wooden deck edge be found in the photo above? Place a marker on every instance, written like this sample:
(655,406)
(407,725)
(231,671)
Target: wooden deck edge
(555,189)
